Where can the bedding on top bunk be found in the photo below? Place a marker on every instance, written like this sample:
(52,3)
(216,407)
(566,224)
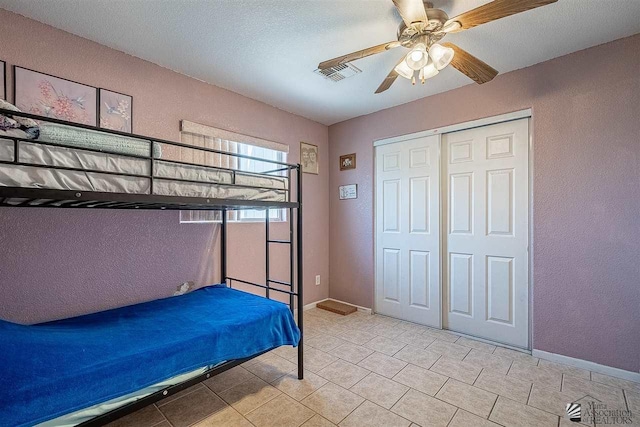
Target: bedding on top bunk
(85,138)
(16,126)
(20,127)
(55,368)
(113,158)
(274,187)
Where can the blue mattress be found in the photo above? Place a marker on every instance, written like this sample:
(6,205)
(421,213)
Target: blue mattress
(55,368)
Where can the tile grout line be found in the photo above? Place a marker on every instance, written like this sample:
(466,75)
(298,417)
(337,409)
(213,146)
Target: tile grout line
(403,395)
(242,382)
(533,407)
(441,387)
(262,404)
(388,410)
(353,410)
(226,405)
(529,396)
(440,400)
(165,418)
(493,407)
(476,380)
(195,388)
(510,365)
(454,415)
(626,402)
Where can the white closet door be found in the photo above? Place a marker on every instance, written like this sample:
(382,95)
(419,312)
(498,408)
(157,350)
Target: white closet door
(408,230)
(485,267)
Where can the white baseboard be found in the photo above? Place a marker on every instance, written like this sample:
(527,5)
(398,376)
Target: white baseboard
(590,366)
(313,304)
(309,306)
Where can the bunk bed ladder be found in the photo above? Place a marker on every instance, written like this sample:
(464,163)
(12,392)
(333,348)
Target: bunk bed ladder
(295,260)
(268,242)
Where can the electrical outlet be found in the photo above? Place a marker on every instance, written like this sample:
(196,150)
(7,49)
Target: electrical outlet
(318,280)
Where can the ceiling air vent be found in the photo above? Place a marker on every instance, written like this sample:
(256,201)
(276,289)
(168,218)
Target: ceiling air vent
(339,72)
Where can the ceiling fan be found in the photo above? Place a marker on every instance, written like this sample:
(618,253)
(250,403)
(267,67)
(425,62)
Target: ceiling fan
(422,29)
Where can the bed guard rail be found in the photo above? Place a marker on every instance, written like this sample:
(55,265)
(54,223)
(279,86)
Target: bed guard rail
(281,169)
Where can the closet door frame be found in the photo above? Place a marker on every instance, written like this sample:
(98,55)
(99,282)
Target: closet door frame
(516,115)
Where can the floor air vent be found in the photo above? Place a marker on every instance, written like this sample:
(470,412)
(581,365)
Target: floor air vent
(339,72)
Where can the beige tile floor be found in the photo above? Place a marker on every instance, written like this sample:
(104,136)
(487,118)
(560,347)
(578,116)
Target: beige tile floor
(371,370)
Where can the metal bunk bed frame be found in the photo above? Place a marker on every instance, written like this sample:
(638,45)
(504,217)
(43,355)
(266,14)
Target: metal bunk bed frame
(67,199)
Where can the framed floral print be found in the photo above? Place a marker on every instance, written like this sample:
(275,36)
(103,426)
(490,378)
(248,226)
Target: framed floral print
(54,97)
(116,111)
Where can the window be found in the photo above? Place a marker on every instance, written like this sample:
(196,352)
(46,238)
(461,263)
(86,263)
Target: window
(249,165)
(200,217)
(206,137)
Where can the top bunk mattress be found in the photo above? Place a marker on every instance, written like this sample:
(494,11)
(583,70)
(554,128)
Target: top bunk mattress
(55,368)
(173,179)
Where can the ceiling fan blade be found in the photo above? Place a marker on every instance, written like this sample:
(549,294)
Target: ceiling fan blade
(491,11)
(391,77)
(471,66)
(358,55)
(411,11)
(387,82)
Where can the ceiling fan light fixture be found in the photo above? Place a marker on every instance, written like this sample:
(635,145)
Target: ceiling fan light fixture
(441,56)
(416,55)
(403,70)
(429,71)
(417,58)
(451,27)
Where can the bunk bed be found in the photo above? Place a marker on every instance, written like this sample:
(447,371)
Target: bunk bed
(72,374)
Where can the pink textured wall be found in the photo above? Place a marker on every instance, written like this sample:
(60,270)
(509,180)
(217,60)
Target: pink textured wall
(57,263)
(586,208)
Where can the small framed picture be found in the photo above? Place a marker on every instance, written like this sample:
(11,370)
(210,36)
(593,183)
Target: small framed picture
(50,96)
(3,80)
(348,191)
(309,158)
(116,111)
(348,161)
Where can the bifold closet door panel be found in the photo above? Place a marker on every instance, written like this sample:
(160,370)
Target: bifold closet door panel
(486,232)
(408,230)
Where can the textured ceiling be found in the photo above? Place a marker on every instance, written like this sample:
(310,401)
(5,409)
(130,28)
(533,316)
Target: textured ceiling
(268,49)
